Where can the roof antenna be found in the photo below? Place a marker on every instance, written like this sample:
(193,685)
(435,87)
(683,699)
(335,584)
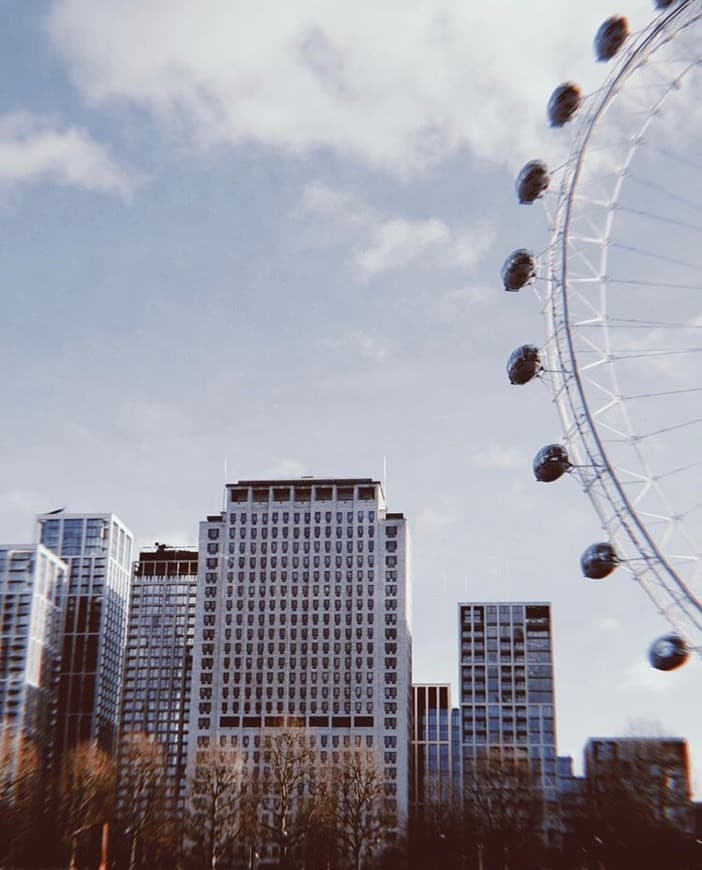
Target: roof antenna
(385,478)
(224,493)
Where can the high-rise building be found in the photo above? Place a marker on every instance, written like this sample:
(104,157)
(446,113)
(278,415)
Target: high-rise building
(436,752)
(32,590)
(158,665)
(303,616)
(98,551)
(507,693)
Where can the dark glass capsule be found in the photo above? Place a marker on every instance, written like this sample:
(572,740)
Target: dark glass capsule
(524,363)
(610,37)
(663,4)
(532,181)
(518,269)
(563,104)
(551,462)
(668,652)
(598,561)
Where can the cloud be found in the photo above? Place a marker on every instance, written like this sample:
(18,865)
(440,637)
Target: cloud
(399,243)
(607,625)
(361,343)
(23,501)
(498,456)
(386,244)
(642,676)
(345,209)
(32,150)
(397,86)
(431,521)
(285,469)
(458,301)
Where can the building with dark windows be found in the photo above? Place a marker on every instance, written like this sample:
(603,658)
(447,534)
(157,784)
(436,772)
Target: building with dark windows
(97,549)
(436,752)
(32,592)
(158,665)
(650,775)
(572,806)
(302,620)
(508,728)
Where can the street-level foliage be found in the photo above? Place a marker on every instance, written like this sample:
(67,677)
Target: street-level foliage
(285,801)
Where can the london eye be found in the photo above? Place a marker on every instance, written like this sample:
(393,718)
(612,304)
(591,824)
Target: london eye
(620,283)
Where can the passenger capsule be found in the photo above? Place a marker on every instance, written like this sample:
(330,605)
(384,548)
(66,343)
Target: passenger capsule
(563,104)
(532,181)
(598,561)
(551,462)
(518,269)
(524,363)
(668,652)
(610,37)
(664,4)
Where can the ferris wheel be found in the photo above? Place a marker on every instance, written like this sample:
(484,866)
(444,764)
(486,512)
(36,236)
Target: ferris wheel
(620,283)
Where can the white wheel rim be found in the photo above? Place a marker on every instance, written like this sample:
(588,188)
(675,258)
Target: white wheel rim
(581,353)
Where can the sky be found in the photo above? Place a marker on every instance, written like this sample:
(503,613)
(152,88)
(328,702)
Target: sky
(271,238)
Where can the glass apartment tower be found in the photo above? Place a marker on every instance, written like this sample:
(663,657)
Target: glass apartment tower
(158,666)
(507,693)
(98,551)
(303,615)
(435,752)
(32,590)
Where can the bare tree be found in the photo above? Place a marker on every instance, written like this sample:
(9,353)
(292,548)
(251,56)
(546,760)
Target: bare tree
(639,801)
(503,808)
(357,799)
(222,803)
(21,794)
(290,787)
(144,810)
(87,791)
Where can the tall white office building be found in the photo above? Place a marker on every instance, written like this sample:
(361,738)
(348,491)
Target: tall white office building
(32,593)
(158,668)
(303,615)
(507,691)
(98,551)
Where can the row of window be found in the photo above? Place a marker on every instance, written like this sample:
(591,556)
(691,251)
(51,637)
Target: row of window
(272,577)
(264,547)
(300,516)
(284,635)
(210,619)
(295,532)
(261,562)
(266,604)
(288,676)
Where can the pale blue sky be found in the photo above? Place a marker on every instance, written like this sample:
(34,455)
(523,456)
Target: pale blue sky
(277,240)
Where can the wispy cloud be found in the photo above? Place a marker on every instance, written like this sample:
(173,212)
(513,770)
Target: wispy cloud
(398,243)
(642,676)
(360,343)
(498,456)
(607,625)
(458,301)
(32,149)
(437,519)
(24,501)
(311,75)
(285,468)
(382,244)
(344,208)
